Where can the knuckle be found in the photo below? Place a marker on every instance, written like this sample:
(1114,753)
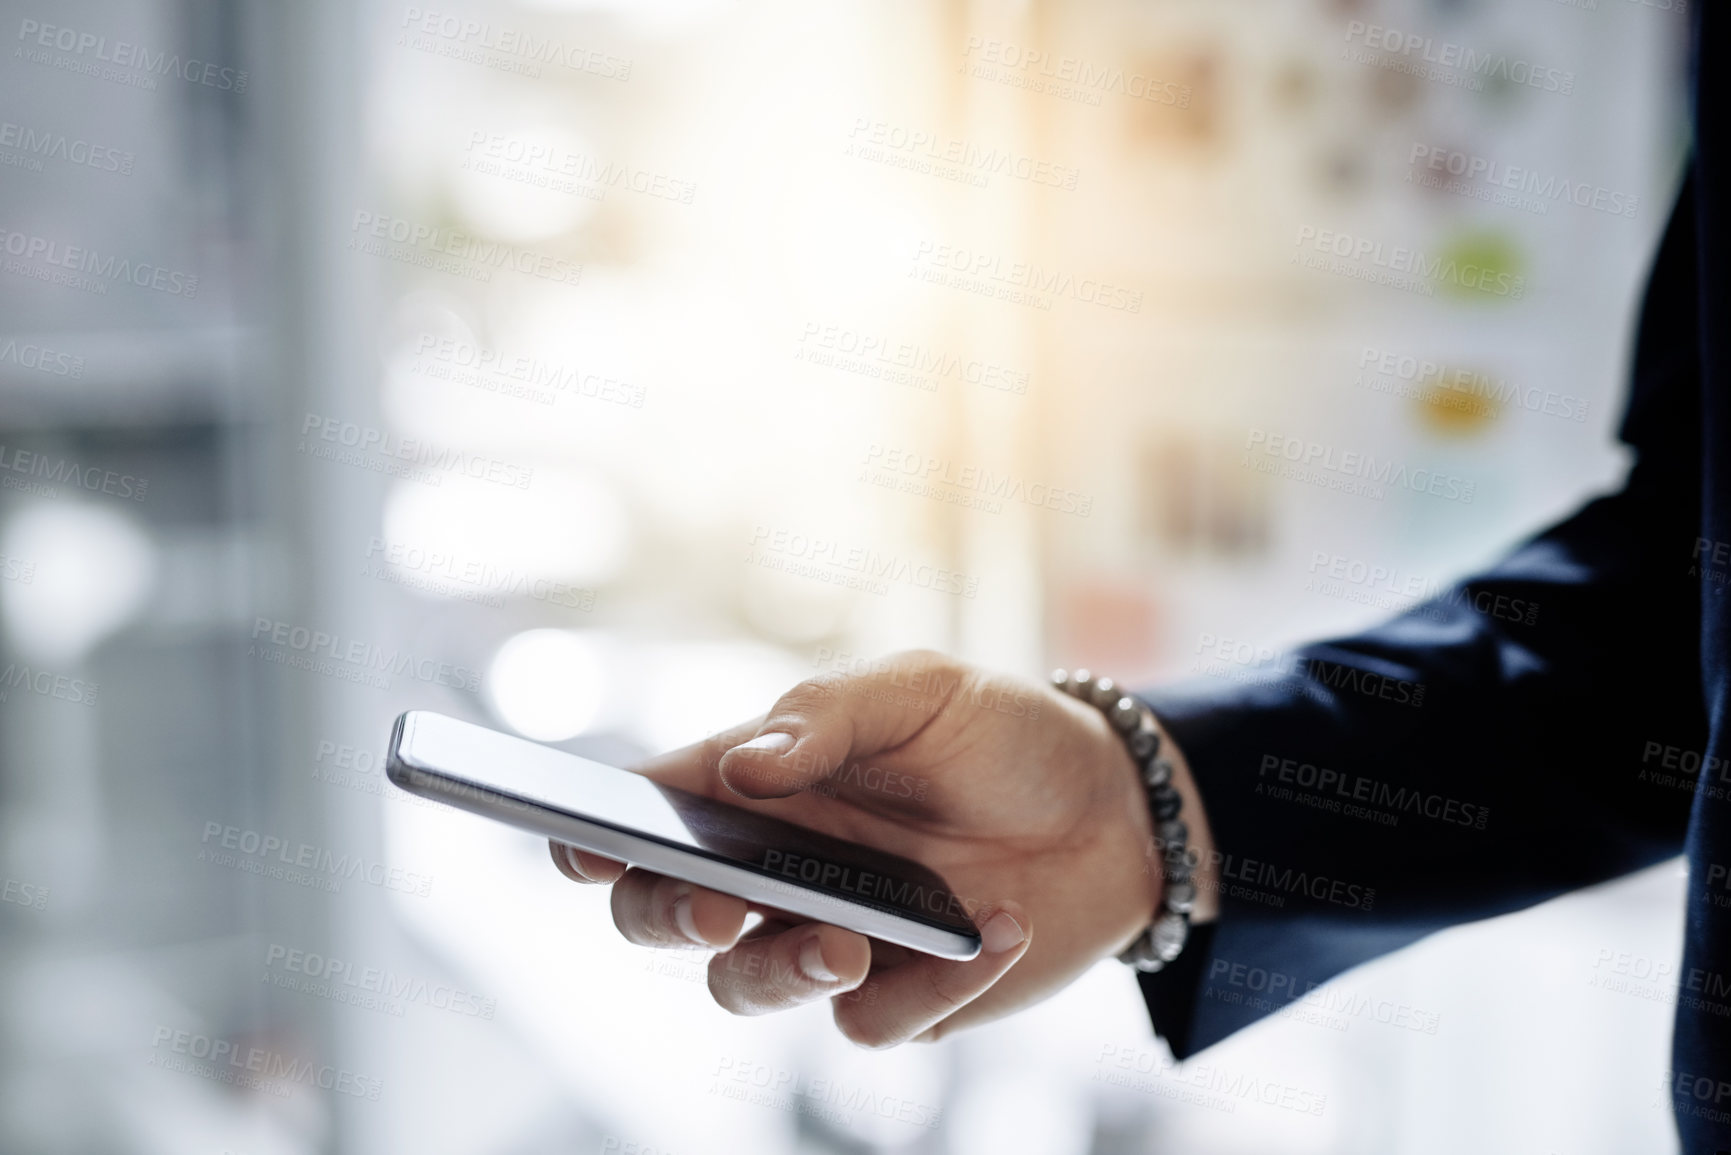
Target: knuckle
(812,695)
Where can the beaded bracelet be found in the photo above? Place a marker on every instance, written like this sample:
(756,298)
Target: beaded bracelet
(1164,938)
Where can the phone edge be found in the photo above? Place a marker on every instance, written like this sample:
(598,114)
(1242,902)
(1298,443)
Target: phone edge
(438,786)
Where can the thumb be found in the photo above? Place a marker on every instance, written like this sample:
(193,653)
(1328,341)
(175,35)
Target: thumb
(817,727)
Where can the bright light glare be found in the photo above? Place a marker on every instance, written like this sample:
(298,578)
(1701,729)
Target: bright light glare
(547,684)
(563,527)
(705,687)
(90,569)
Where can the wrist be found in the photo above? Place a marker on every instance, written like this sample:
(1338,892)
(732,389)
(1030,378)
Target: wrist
(1171,858)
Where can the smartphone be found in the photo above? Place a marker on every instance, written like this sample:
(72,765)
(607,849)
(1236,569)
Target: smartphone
(634,819)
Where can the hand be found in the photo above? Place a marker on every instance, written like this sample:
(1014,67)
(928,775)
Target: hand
(1023,799)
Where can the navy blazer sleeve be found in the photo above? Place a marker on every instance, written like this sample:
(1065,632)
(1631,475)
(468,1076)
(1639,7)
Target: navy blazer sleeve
(1476,755)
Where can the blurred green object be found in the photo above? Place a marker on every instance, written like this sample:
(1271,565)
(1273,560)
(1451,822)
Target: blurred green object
(1488,265)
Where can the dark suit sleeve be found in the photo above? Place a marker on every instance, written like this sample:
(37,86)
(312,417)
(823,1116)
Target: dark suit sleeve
(1495,747)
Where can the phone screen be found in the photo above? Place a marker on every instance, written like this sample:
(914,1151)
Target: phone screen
(785,854)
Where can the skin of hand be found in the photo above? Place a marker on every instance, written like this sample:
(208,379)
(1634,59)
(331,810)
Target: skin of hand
(1023,799)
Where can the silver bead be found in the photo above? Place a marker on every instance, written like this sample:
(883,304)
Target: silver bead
(1168,934)
(1158,774)
(1140,955)
(1144,742)
(1061,679)
(1103,693)
(1180,897)
(1081,681)
(1173,834)
(1125,713)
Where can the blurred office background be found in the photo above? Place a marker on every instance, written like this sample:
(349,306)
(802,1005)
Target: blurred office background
(546,363)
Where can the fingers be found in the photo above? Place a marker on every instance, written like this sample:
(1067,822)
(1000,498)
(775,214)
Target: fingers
(781,966)
(917,997)
(653,910)
(819,724)
(582,866)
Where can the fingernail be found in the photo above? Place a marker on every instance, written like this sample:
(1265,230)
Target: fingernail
(775,742)
(1001,933)
(576,863)
(811,961)
(682,918)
